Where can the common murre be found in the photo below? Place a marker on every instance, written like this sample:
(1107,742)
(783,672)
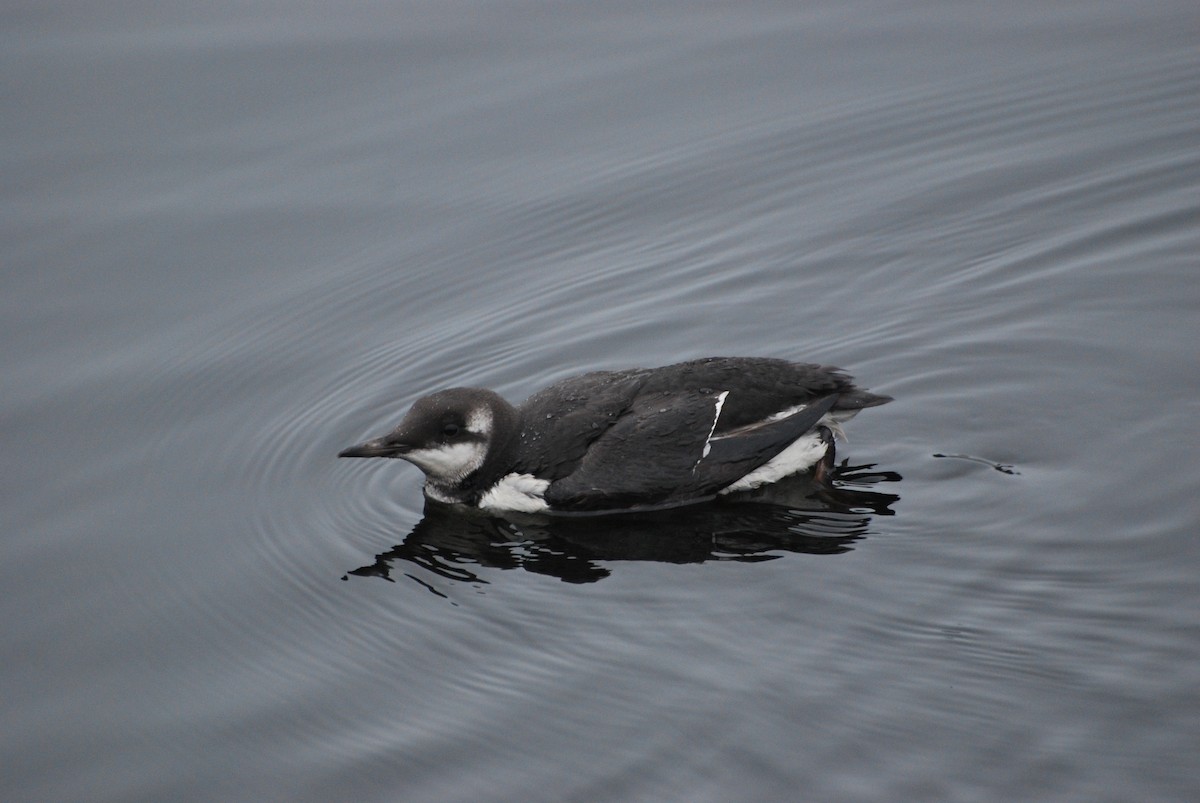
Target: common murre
(627,440)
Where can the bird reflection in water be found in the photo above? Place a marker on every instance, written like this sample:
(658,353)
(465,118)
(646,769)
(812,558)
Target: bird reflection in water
(796,515)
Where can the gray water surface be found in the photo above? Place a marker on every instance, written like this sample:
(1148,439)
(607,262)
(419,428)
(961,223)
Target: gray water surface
(238,237)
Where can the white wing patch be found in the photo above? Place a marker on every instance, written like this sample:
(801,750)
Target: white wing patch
(785,413)
(708,441)
(523,493)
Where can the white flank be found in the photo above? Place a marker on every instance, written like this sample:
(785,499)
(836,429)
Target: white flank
(450,462)
(708,441)
(802,454)
(522,493)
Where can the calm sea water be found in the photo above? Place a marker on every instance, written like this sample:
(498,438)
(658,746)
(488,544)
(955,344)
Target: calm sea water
(240,236)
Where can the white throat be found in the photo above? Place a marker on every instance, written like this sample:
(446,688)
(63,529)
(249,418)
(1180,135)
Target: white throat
(449,463)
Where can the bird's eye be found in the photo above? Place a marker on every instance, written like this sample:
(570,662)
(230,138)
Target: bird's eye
(450,430)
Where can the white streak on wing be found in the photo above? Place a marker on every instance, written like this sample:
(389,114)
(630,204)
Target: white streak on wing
(802,454)
(708,441)
(517,492)
(785,413)
(782,414)
(833,420)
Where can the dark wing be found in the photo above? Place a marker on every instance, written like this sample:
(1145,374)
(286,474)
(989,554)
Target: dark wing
(762,386)
(662,452)
(740,450)
(560,423)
